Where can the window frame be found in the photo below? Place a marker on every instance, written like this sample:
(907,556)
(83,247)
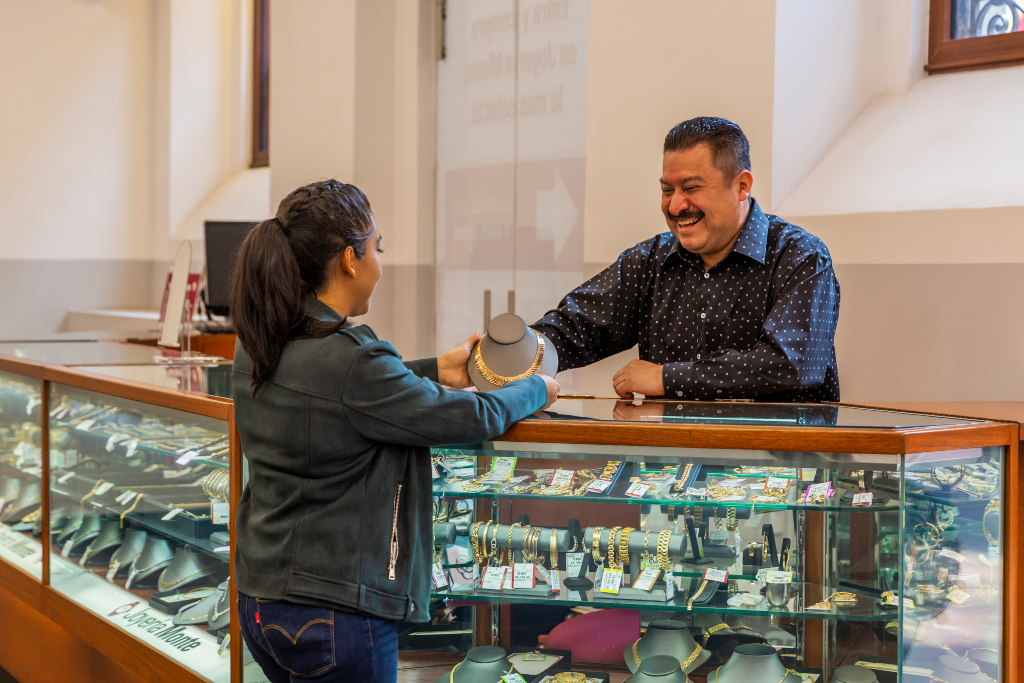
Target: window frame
(261,84)
(946,55)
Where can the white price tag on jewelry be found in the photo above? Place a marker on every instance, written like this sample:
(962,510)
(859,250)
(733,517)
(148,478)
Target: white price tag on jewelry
(115,439)
(892,599)
(562,478)
(957,596)
(32,403)
(730,499)
(648,576)
(808,474)
(131,577)
(503,467)
(114,566)
(637,489)
(132,447)
(817,490)
(513,678)
(700,493)
(966,578)
(718,537)
(66,550)
(670,586)
(131,496)
(65,478)
(172,514)
(85,425)
(778,483)
(222,549)
(574,564)
(494,577)
(187,458)
(748,599)
(952,554)
(908,603)
(554,581)
(729,482)
(438,575)
(221,513)
(516,480)
(435,474)
(523,575)
(759,486)
(542,571)
(719,575)
(773,576)
(104,487)
(862,498)
(611,579)
(599,485)
(123,495)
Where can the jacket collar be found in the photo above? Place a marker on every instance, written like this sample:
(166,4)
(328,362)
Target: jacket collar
(318,310)
(752,242)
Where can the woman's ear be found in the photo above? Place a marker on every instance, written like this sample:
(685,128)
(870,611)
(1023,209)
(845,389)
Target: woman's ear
(347,262)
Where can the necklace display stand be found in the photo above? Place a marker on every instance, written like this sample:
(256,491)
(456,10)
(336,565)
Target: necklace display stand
(485,664)
(508,349)
(666,637)
(659,669)
(80,540)
(954,669)
(103,546)
(854,674)
(697,556)
(987,660)
(750,663)
(131,547)
(725,638)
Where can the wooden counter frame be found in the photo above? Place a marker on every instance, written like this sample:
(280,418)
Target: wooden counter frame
(152,666)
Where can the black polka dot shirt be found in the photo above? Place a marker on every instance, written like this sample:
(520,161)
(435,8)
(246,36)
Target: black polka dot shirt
(760,324)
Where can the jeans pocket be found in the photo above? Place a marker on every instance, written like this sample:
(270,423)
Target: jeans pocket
(300,638)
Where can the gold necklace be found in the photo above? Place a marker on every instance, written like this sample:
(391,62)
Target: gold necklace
(711,631)
(501,380)
(168,586)
(688,662)
(788,671)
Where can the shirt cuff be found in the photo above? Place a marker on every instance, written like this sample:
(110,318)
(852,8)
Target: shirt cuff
(424,367)
(677,379)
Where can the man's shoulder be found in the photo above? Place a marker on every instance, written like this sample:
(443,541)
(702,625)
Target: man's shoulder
(659,245)
(789,239)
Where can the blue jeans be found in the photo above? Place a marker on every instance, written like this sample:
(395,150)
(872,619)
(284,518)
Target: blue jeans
(294,642)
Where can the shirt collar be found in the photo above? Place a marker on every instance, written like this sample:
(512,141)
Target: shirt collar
(318,310)
(753,239)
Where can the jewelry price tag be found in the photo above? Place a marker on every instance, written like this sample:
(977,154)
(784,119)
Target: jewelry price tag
(222,549)
(599,485)
(611,579)
(221,513)
(573,564)
(729,499)
(744,599)
(637,489)
(952,554)
(544,574)
(122,496)
(670,586)
(759,486)
(697,492)
(719,575)
(85,425)
(908,603)
(104,487)
(862,498)
(778,483)
(523,575)
(957,596)
(439,576)
(65,478)
(808,474)
(187,458)
(729,482)
(966,578)
(718,537)
(494,577)
(773,576)
(114,566)
(112,441)
(127,499)
(892,599)
(555,581)
(131,577)
(817,490)
(648,576)
(503,467)
(172,514)
(132,446)
(562,478)
(66,550)
(513,678)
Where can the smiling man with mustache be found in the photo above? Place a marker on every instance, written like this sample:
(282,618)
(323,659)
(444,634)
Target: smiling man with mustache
(731,303)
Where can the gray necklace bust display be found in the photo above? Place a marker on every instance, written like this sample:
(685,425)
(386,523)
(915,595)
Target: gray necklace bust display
(954,669)
(510,350)
(485,664)
(723,638)
(666,637)
(854,674)
(27,501)
(659,669)
(156,554)
(190,568)
(73,524)
(198,612)
(104,545)
(220,612)
(87,531)
(131,546)
(749,663)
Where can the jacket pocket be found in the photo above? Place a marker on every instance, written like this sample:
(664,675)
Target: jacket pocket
(394,536)
(300,637)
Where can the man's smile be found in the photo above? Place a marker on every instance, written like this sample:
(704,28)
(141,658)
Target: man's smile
(688,219)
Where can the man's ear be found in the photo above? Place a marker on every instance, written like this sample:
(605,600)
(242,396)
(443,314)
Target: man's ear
(744,182)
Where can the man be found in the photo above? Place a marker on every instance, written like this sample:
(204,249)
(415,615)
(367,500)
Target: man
(731,303)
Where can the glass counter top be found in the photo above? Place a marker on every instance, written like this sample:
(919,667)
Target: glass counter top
(210,379)
(660,411)
(88,352)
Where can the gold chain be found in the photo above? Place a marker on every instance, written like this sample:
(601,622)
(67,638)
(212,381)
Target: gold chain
(712,631)
(662,550)
(138,497)
(703,585)
(688,662)
(612,553)
(624,544)
(501,380)
(595,545)
(553,549)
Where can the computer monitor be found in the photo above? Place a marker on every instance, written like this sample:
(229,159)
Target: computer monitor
(223,238)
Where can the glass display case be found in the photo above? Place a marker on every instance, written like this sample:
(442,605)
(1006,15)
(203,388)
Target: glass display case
(20,471)
(139,511)
(748,542)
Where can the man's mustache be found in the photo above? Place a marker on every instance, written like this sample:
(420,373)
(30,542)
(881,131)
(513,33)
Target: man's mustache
(686,215)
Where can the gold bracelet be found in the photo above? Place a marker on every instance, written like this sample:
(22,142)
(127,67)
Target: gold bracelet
(595,545)
(731,523)
(553,549)
(624,544)
(474,540)
(511,527)
(663,559)
(501,380)
(712,631)
(612,554)
(703,585)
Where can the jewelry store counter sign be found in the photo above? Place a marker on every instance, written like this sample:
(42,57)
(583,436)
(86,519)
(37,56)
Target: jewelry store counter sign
(156,627)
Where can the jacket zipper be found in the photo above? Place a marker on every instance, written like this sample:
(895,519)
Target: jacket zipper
(394,537)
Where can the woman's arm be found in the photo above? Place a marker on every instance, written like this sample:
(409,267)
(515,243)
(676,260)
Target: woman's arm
(386,401)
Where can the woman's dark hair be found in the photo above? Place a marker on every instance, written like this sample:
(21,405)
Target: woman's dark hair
(286,259)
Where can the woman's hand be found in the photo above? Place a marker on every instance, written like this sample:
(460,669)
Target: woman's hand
(451,367)
(553,389)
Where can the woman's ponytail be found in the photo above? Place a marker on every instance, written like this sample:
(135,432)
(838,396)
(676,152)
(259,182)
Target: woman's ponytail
(287,258)
(267,298)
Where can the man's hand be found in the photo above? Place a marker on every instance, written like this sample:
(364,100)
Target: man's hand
(641,377)
(451,367)
(627,412)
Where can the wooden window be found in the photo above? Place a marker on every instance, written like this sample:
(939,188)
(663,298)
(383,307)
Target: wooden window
(975,34)
(261,83)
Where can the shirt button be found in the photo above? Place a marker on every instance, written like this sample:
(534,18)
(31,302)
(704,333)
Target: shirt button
(679,393)
(698,356)
(702,316)
(707,275)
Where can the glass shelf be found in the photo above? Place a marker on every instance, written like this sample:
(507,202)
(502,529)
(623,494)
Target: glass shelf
(866,609)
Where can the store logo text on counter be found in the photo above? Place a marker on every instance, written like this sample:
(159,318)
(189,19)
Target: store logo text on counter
(162,630)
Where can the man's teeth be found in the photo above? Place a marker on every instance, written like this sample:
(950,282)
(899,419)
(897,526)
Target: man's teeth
(687,223)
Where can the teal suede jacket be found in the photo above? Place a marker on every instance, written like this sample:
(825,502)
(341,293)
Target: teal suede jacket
(337,444)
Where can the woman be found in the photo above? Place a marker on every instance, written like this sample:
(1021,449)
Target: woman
(334,526)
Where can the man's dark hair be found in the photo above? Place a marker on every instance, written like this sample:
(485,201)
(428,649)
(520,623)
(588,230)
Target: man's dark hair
(729,147)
